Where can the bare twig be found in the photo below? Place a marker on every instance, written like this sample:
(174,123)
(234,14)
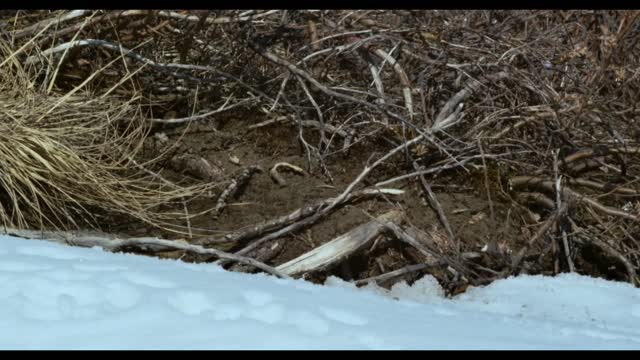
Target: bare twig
(563,232)
(129,53)
(396,273)
(486,180)
(295,216)
(522,181)
(233,188)
(204,116)
(442,120)
(588,237)
(49,22)
(539,234)
(435,204)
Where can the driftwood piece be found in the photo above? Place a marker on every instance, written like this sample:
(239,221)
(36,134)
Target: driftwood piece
(340,248)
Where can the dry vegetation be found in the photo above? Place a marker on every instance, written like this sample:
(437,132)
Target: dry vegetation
(400,117)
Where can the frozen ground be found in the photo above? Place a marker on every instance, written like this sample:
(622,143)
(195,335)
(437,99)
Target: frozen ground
(58,297)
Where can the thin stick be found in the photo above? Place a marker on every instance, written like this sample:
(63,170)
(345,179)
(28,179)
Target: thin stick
(295,216)
(435,204)
(321,212)
(323,138)
(558,183)
(486,180)
(432,170)
(129,53)
(521,181)
(404,79)
(633,278)
(394,274)
(204,116)
(49,22)
(540,233)
(233,188)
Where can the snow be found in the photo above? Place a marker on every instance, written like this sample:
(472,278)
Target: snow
(59,297)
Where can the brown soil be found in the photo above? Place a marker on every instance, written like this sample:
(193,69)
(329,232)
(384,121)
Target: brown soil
(262,199)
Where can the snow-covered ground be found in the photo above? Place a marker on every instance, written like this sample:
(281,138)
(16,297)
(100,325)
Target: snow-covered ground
(58,297)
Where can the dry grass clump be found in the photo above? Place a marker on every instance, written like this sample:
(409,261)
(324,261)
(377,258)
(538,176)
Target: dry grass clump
(67,159)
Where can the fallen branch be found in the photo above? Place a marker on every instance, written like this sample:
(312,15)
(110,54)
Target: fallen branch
(114,244)
(394,274)
(531,181)
(286,230)
(233,188)
(339,249)
(295,216)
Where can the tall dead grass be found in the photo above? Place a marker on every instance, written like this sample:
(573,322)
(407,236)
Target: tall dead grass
(68,159)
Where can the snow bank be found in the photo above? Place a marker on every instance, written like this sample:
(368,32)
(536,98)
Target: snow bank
(58,297)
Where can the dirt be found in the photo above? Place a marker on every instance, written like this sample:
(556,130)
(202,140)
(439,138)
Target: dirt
(229,148)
